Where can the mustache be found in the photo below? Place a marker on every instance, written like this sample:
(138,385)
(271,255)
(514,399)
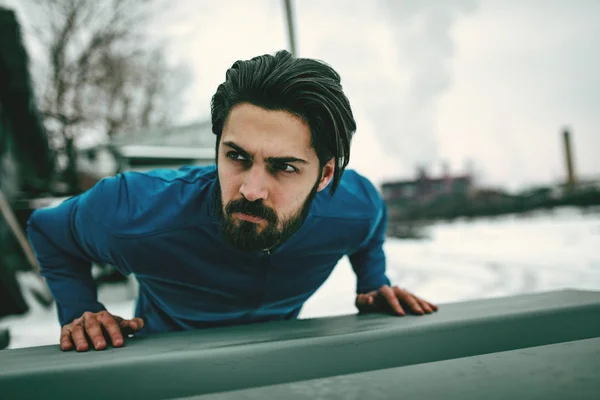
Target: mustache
(254,208)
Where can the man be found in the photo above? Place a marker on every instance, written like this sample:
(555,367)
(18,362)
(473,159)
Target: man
(248,240)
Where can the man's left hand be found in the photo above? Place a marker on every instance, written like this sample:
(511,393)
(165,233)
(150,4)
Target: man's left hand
(393,299)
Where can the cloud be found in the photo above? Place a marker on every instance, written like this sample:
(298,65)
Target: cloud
(424,47)
(394,61)
(489,81)
(522,71)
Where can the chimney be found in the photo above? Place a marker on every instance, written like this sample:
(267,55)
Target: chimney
(421,173)
(445,170)
(571,180)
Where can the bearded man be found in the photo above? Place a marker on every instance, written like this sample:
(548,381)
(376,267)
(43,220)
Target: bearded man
(247,240)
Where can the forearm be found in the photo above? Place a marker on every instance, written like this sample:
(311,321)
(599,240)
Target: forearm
(369,261)
(74,292)
(369,268)
(64,263)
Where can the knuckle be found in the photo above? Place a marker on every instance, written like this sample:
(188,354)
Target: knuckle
(91,329)
(108,322)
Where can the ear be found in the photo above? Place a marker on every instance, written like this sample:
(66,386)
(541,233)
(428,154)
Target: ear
(327,174)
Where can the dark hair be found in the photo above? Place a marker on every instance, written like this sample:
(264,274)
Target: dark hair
(307,88)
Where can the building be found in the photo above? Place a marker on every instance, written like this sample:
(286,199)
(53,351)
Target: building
(166,147)
(144,150)
(403,195)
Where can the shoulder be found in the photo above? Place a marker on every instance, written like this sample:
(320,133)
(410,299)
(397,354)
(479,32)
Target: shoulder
(355,198)
(141,202)
(158,181)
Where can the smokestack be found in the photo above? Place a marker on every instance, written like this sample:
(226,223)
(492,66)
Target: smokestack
(445,170)
(571,180)
(421,172)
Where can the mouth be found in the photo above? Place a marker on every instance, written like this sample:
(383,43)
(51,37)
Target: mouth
(249,218)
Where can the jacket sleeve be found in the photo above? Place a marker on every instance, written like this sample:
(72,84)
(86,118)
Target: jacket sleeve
(369,261)
(68,238)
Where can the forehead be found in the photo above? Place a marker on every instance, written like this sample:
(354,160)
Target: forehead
(273,132)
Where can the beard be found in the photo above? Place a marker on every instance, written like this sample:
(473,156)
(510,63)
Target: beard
(245,235)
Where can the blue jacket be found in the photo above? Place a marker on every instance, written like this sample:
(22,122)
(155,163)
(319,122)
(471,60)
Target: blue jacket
(160,226)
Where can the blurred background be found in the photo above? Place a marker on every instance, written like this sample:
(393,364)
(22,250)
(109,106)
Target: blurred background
(479,121)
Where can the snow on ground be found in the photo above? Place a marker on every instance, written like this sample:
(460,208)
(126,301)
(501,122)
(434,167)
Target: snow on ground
(482,259)
(459,261)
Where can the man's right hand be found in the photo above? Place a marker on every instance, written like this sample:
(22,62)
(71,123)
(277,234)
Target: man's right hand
(97,328)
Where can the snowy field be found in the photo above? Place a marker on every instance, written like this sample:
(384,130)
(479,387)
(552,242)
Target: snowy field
(459,261)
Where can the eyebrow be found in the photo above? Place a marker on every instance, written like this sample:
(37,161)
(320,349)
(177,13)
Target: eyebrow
(272,160)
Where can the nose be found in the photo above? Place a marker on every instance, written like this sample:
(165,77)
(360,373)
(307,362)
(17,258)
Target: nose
(254,185)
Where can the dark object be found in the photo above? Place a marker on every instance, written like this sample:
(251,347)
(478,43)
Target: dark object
(26,162)
(477,349)
(571,179)
(11,298)
(4,338)
(21,128)
(289,17)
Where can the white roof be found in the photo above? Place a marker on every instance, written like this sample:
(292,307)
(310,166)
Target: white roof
(153,151)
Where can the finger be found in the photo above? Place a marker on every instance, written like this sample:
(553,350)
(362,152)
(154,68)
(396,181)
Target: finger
(129,326)
(361,302)
(410,300)
(427,306)
(78,337)
(112,328)
(65,339)
(136,324)
(94,331)
(392,300)
(365,300)
(140,322)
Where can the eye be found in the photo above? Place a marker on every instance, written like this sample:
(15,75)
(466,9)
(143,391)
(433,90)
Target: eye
(283,167)
(235,156)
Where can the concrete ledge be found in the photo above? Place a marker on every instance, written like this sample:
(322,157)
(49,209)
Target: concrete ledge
(568,370)
(226,359)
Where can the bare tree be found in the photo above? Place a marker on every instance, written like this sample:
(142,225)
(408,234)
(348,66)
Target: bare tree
(101,73)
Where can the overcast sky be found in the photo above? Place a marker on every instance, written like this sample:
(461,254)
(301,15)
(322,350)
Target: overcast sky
(491,82)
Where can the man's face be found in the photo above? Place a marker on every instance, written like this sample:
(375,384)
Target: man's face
(268,174)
